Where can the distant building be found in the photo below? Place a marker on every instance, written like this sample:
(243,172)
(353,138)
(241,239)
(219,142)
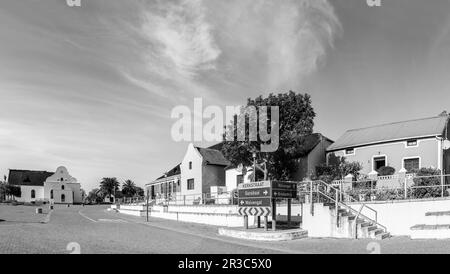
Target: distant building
(50,187)
(191,181)
(167,186)
(312,155)
(406,145)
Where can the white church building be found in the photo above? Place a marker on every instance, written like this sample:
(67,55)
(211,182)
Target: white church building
(50,187)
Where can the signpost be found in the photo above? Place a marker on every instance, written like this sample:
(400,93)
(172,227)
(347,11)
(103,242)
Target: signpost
(259,199)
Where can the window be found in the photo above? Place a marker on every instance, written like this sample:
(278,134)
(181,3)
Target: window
(33,194)
(190,165)
(63,198)
(51,194)
(240,179)
(190,184)
(62,179)
(379,162)
(412,143)
(350,151)
(62,187)
(411,164)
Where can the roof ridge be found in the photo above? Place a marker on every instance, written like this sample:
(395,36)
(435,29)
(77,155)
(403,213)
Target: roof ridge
(399,122)
(29,170)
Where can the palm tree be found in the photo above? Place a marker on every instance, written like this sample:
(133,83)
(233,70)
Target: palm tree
(129,188)
(109,186)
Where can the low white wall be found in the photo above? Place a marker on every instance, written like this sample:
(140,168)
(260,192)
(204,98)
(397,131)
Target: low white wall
(223,209)
(216,215)
(223,220)
(400,216)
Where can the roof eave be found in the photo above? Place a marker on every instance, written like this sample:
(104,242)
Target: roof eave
(383,142)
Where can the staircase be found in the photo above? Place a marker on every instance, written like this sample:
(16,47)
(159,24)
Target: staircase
(437,226)
(329,216)
(359,227)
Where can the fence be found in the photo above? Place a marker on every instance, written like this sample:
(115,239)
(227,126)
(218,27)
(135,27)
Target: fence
(388,188)
(214,198)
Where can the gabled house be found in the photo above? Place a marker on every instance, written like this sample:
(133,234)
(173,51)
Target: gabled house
(201,169)
(405,146)
(191,181)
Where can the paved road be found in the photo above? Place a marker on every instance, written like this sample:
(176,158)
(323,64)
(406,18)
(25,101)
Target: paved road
(96,230)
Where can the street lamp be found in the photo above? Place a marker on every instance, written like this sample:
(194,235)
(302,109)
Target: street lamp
(254,166)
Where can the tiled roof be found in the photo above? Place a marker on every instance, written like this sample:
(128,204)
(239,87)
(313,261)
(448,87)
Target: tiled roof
(28,177)
(213,157)
(426,127)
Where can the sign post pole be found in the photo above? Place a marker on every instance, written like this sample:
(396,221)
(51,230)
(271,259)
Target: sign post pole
(259,221)
(148,197)
(266,223)
(289,204)
(274,214)
(245,222)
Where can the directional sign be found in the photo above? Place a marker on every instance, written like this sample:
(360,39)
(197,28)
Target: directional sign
(255,211)
(255,192)
(284,190)
(284,185)
(254,202)
(284,194)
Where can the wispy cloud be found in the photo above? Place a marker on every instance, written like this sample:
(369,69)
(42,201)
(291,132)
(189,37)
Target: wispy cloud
(183,39)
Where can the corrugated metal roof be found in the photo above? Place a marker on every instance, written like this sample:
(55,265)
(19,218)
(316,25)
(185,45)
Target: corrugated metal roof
(391,132)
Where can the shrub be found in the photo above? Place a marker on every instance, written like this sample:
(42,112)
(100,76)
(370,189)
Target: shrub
(427,187)
(390,194)
(386,171)
(337,168)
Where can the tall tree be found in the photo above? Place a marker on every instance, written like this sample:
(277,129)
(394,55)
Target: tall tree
(128,188)
(94,196)
(109,185)
(296,120)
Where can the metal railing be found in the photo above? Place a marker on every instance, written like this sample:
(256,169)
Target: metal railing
(219,198)
(395,188)
(336,196)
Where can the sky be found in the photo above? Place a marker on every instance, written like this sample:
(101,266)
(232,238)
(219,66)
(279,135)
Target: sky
(92,88)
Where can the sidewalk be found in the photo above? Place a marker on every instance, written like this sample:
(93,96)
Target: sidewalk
(22,214)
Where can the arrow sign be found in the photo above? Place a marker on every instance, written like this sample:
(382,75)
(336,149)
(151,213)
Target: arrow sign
(254,193)
(255,202)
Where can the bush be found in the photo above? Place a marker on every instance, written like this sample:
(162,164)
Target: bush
(386,171)
(427,187)
(337,169)
(390,194)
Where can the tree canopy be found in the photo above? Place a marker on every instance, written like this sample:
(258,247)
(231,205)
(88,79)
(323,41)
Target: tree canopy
(109,185)
(296,120)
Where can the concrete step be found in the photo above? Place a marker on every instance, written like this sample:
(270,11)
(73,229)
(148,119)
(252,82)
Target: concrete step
(424,231)
(438,213)
(383,236)
(366,224)
(437,220)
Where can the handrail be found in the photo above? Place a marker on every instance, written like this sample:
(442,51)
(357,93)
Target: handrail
(350,197)
(358,213)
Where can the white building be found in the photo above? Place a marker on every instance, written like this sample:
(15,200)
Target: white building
(191,181)
(42,186)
